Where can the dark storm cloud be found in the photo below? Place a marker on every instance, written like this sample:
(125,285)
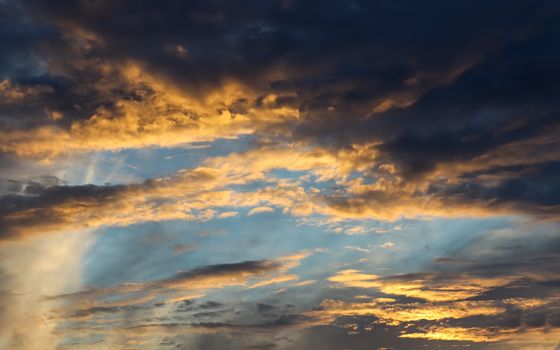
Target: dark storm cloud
(536,189)
(506,100)
(431,83)
(32,49)
(341,55)
(31,204)
(48,204)
(19,36)
(528,189)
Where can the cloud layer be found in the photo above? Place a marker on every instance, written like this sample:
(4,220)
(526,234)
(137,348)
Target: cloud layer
(348,120)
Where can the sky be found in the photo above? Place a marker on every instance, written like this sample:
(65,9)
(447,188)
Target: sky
(282,174)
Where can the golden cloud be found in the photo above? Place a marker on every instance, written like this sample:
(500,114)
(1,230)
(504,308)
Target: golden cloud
(163,116)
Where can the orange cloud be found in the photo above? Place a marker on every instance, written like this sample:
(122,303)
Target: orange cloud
(204,192)
(163,116)
(394,314)
(422,285)
(533,338)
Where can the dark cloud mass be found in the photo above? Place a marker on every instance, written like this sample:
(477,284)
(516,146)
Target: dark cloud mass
(431,84)
(355,117)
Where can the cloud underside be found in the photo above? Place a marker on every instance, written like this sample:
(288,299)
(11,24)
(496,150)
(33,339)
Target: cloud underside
(468,131)
(509,299)
(220,187)
(509,296)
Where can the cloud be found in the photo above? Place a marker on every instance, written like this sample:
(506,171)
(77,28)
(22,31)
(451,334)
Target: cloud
(395,314)
(29,271)
(483,295)
(417,121)
(349,112)
(177,305)
(358,249)
(275,280)
(160,115)
(217,184)
(228,214)
(259,272)
(534,337)
(259,210)
(410,89)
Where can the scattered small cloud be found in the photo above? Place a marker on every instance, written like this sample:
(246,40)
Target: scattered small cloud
(260,210)
(228,214)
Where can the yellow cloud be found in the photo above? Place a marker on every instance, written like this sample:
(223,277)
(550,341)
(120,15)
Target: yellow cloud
(534,338)
(395,314)
(228,214)
(275,280)
(260,210)
(163,116)
(202,193)
(425,286)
